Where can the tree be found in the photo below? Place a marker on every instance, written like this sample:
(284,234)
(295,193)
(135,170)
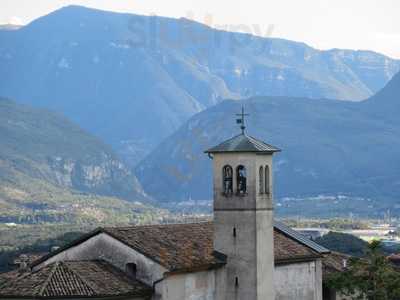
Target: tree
(371,277)
(343,243)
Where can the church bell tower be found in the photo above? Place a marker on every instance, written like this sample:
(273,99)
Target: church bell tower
(243,216)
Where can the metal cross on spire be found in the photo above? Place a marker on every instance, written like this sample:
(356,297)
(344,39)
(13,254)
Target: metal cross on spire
(242,120)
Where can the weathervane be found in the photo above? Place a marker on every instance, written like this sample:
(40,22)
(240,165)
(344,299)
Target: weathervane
(241,120)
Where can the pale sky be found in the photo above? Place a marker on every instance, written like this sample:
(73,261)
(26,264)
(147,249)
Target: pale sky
(324,24)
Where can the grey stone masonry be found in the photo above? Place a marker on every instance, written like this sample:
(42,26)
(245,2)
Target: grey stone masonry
(243,226)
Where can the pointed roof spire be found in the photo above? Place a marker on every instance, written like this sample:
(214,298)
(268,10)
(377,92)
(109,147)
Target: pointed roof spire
(243,142)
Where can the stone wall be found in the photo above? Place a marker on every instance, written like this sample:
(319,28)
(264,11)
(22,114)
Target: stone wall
(193,286)
(300,281)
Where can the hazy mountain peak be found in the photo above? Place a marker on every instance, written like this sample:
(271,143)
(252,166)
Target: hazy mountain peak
(93,65)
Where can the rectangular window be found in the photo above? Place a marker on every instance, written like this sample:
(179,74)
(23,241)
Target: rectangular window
(131,270)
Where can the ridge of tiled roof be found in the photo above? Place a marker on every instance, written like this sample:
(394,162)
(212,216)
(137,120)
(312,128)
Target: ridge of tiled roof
(243,143)
(69,279)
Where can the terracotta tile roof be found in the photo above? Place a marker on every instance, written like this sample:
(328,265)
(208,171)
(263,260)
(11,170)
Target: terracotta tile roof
(73,279)
(287,249)
(333,263)
(177,247)
(4,277)
(190,246)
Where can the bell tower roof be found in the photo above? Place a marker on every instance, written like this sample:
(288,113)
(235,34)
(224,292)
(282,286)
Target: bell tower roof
(243,143)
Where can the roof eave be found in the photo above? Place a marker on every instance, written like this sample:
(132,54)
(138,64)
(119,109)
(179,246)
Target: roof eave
(196,269)
(303,259)
(210,151)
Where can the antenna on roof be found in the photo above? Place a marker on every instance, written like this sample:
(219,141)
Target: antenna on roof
(242,120)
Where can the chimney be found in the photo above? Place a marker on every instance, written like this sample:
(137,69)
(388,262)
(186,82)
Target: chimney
(22,262)
(344,263)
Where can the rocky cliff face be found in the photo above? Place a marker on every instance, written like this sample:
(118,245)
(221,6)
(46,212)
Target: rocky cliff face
(46,146)
(109,176)
(155,73)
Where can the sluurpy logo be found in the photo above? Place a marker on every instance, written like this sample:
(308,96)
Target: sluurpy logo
(201,38)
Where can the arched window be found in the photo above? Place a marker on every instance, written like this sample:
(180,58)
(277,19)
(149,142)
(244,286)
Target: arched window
(227,180)
(261,180)
(241,180)
(267,180)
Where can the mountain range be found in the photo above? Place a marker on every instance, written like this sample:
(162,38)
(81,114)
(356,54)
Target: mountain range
(133,80)
(330,147)
(52,170)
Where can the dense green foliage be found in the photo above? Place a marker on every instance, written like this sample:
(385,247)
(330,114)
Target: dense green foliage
(24,200)
(369,278)
(7,257)
(343,243)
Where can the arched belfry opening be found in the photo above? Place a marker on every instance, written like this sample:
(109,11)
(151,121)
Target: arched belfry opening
(241,180)
(227,180)
(261,180)
(267,180)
